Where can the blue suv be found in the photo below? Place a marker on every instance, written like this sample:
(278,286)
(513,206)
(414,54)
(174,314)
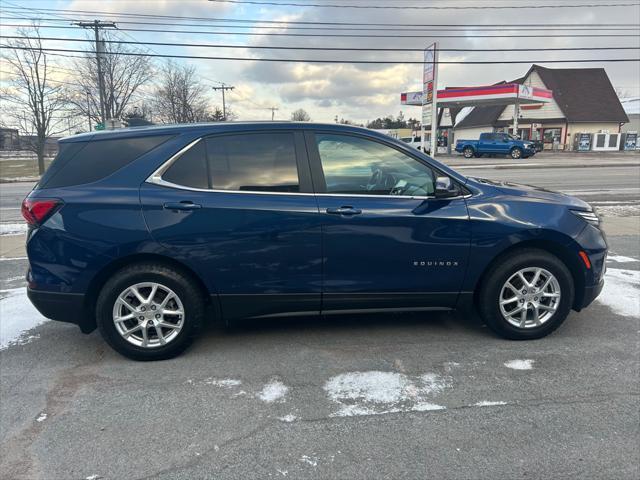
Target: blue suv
(144,232)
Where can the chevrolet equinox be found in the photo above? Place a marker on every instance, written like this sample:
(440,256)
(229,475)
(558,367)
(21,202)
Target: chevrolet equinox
(140,232)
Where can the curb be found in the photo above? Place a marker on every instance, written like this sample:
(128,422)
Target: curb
(541,165)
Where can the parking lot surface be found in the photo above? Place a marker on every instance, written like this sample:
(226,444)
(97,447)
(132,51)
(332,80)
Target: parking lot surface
(363,397)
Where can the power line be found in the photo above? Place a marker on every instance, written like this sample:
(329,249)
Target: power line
(358,49)
(434,28)
(427,7)
(370,62)
(336,35)
(299,22)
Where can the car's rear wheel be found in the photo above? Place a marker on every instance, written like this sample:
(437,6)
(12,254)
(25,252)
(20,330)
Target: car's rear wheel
(467,152)
(525,295)
(149,311)
(516,153)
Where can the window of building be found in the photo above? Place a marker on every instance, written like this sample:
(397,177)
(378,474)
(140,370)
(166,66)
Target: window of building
(354,165)
(552,135)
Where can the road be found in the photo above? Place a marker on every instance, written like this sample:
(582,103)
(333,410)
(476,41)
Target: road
(366,397)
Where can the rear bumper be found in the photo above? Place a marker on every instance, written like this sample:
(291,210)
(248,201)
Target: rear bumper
(62,307)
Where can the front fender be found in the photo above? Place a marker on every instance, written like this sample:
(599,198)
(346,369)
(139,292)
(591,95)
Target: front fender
(499,223)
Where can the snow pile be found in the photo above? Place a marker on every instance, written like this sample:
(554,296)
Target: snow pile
(274,391)
(13,228)
(621,292)
(377,393)
(17,316)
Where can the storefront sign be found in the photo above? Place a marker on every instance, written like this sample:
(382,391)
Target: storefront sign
(584,142)
(631,141)
(430,93)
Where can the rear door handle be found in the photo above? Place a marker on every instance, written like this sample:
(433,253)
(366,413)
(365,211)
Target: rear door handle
(183,205)
(344,211)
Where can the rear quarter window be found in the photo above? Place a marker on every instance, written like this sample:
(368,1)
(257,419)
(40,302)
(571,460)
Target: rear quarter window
(78,163)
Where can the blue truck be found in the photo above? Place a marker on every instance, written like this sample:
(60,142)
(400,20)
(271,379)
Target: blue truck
(496,144)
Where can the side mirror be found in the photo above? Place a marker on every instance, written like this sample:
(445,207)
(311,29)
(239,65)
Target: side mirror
(445,188)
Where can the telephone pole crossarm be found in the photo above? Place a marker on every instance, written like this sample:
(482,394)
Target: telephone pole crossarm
(223,88)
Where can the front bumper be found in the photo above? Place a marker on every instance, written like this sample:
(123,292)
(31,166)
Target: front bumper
(62,307)
(590,294)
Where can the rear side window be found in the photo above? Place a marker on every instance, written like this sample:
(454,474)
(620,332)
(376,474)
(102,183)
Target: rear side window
(264,162)
(190,169)
(91,161)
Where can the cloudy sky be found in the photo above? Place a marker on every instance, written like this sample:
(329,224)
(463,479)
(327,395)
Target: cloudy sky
(355,92)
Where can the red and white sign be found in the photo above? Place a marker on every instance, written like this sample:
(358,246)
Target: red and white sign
(503,94)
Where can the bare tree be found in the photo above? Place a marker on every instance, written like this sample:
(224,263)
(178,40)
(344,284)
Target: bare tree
(300,115)
(123,76)
(33,101)
(181,96)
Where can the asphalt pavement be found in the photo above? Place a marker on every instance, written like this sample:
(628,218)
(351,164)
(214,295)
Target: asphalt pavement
(361,397)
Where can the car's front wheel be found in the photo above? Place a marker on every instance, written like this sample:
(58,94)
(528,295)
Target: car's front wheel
(468,152)
(516,153)
(149,311)
(526,295)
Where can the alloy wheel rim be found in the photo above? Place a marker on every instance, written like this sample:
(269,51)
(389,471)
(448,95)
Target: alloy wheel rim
(530,297)
(148,315)
(516,154)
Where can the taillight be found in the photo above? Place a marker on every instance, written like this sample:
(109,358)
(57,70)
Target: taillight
(35,210)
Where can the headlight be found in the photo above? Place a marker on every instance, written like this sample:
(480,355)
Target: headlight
(589,217)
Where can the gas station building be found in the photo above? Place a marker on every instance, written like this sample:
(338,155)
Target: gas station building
(560,107)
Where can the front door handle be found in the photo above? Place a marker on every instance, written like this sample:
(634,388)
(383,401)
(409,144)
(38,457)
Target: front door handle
(184,205)
(344,211)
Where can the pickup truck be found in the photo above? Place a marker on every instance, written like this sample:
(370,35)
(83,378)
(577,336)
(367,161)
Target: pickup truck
(496,144)
(416,142)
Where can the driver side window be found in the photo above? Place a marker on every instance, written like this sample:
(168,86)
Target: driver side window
(355,165)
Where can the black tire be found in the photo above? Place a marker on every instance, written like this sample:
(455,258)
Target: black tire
(516,153)
(468,152)
(180,283)
(493,281)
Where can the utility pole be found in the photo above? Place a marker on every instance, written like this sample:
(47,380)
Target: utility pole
(273,112)
(89,111)
(224,87)
(98,25)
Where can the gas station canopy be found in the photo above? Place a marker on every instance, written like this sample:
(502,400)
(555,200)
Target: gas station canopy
(504,94)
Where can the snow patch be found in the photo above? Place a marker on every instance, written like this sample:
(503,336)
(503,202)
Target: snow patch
(621,259)
(226,382)
(313,461)
(488,403)
(621,292)
(17,316)
(519,364)
(93,477)
(288,418)
(378,393)
(13,228)
(618,210)
(274,391)
(216,382)
(42,417)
